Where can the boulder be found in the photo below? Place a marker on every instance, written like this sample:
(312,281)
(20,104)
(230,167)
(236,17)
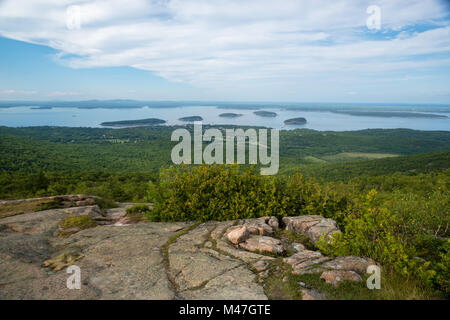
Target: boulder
(87,202)
(260,265)
(334,277)
(273,222)
(238,234)
(312,226)
(350,263)
(306,261)
(298,247)
(260,226)
(93,211)
(262,244)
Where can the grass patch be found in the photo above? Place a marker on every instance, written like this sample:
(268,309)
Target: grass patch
(393,287)
(277,289)
(348,156)
(55,203)
(12,209)
(63,260)
(81,222)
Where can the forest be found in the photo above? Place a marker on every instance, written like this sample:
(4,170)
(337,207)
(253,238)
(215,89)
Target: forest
(387,189)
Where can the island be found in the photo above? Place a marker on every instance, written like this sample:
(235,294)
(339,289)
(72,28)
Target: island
(295,121)
(268,114)
(41,108)
(230,115)
(133,123)
(191,118)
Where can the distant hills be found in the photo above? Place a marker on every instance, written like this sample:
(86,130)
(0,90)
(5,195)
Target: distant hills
(310,106)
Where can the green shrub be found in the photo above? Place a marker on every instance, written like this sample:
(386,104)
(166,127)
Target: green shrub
(217,192)
(442,278)
(105,203)
(137,210)
(371,230)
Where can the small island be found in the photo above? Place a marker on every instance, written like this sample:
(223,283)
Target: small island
(133,123)
(268,114)
(230,115)
(41,108)
(191,118)
(295,121)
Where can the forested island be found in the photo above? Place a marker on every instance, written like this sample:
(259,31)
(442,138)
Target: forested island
(389,114)
(268,114)
(299,120)
(230,115)
(133,123)
(191,118)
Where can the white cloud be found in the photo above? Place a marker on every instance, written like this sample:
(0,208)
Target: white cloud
(63,93)
(17,92)
(227,43)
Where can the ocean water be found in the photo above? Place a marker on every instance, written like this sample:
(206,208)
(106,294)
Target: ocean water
(317,120)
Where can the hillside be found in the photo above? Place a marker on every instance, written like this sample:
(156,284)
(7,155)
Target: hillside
(387,185)
(409,165)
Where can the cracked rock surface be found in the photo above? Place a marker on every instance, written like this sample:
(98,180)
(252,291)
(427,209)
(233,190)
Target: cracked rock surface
(146,260)
(119,261)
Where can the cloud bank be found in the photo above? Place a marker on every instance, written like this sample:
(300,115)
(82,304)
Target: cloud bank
(252,44)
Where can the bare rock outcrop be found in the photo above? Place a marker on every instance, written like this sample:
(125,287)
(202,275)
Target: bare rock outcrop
(262,244)
(350,263)
(263,226)
(306,261)
(312,226)
(334,277)
(146,260)
(238,234)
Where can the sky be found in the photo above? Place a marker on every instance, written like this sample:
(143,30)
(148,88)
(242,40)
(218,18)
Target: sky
(226,50)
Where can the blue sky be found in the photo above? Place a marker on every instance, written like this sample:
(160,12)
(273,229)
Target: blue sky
(284,50)
(29,71)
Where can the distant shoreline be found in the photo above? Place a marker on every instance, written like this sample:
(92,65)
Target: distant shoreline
(390,114)
(354,108)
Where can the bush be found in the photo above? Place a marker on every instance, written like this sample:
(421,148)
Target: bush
(217,192)
(105,203)
(371,230)
(230,192)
